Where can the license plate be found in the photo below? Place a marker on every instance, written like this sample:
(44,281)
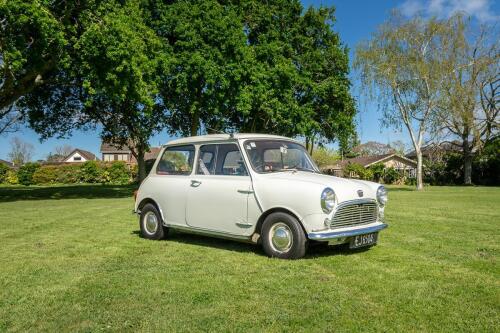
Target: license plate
(363,240)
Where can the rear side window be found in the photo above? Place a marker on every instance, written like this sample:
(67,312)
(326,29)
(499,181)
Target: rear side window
(176,161)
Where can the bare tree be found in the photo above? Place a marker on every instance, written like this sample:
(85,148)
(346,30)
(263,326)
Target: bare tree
(402,67)
(21,152)
(63,150)
(470,95)
(372,148)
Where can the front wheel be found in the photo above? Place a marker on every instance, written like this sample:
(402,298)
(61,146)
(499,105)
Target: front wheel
(283,237)
(151,223)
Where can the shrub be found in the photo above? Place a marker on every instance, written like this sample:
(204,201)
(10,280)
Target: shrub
(117,173)
(25,173)
(359,170)
(90,172)
(11,177)
(377,170)
(47,174)
(68,173)
(324,156)
(391,176)
(3,172)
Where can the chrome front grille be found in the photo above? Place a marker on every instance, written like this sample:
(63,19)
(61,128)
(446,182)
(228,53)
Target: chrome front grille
(354,213)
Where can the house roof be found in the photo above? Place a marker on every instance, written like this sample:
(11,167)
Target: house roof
(433,148)
(367,161)
(7,163)
(107,147)
(86,154)
(152,153)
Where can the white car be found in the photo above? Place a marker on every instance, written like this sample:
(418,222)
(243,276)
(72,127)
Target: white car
(256,188)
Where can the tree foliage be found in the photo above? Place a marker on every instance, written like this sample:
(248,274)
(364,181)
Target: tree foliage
(134,68)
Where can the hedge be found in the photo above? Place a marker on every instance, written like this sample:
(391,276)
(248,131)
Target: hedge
(88,172)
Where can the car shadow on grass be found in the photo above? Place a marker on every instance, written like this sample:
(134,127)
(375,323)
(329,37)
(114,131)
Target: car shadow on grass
(57,192)
(315,250)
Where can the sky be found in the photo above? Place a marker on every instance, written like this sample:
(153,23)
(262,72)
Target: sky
(356,20)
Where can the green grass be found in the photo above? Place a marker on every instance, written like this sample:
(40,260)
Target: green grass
(71,259)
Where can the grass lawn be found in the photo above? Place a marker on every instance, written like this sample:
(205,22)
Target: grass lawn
(71,259)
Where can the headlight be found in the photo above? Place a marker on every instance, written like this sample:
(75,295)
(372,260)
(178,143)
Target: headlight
(382,195)
(327,200)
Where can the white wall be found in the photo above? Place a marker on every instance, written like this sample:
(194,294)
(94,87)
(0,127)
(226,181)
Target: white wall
(79,158)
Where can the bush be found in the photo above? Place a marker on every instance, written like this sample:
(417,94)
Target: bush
(391,176)
(324,157)
(90,172)
(377,170)
(359,170)
(68,173)
(117,173)
(25,173)
(3,173)
(11,177)
(47,174)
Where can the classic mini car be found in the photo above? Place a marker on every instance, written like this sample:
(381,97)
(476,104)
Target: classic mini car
(256,188)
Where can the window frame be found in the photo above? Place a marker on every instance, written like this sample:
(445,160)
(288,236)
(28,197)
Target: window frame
(216,157)
(195,152)
(247,155)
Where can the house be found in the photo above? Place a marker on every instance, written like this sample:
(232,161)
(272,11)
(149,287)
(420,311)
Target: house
(404,165)
(79,156)
(7,163)
(436,151)
(111,152)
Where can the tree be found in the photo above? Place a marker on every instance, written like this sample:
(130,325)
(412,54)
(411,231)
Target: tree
(59,153)
(403,64)
(21,152)
(372,148)
(299,74)
(202,90)
(115,84)
(470,94)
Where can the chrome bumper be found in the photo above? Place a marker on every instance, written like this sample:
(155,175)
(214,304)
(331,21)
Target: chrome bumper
(329,235)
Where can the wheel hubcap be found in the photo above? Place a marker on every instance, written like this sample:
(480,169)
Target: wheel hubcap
(281,238)
(150,222)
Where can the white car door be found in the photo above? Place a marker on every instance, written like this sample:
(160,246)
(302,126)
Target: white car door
(172,179)
(219,190)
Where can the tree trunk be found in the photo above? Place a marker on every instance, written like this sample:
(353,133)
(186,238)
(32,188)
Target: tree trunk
(195,123)
(467,156)
(420,183)
(141,164)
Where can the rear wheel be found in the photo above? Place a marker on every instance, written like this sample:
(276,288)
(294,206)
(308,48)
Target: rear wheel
(283,237)
(150,223)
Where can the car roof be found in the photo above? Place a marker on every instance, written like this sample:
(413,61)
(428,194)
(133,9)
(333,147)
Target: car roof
(226,137)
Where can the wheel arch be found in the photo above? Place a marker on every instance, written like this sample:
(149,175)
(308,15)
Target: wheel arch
(270,211)
(146,201)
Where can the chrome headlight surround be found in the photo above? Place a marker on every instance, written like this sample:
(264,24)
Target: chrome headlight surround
(382,196)
(328,199)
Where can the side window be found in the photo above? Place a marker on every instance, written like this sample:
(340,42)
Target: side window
(206,160)
(229,161)
(176,161)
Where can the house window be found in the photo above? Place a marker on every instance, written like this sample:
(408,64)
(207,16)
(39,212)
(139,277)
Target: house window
(77,158)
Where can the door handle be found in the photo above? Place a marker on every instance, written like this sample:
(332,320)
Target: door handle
(245,191)
(195,183)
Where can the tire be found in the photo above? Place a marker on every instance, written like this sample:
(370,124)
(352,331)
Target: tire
(150,230)
(293,242)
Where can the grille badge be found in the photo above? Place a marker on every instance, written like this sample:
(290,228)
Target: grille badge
(360,193)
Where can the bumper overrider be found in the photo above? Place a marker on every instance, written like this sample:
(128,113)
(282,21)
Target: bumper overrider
(332,235)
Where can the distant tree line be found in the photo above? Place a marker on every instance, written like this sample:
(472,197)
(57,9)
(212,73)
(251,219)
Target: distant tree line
(134,68)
